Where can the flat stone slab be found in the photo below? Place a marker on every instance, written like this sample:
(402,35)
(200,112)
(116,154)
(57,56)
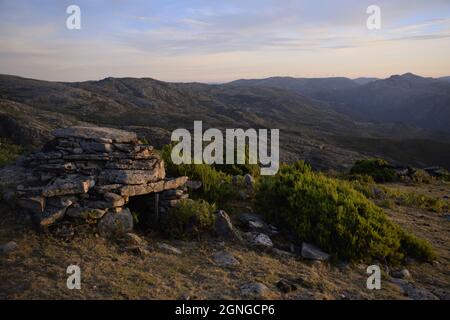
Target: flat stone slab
(96,133)
(311,252)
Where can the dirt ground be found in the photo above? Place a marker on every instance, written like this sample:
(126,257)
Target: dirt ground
(37,269)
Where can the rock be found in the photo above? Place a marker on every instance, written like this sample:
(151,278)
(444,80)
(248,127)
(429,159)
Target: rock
(34,205)
(254,290)
(168,248)
(132,239)
(61,202)
(401,274)
(105,135)
(131,164)
(225,259)
(132,177)
(51,215)
(116,224)
(311,252)
(223,226)
(9,247)
(249,181)
(262,240)
(282,253)
(193,184)
(69,185)
(413,292)
(85,213)
(286,286)
(96,146)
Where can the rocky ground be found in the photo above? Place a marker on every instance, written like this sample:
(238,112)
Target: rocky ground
(33,266)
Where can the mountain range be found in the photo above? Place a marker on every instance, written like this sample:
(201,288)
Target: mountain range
(329,122)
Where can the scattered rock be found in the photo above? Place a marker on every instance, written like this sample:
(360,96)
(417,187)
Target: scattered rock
(401,274)
(223,226)
(286,286)
(262,240)
(168,248)
(116,224)
(282,253)
(193,184)
(132,239)
(9,247)
(249,181)
(413,292)
(254,290)
(311,252)
(225,259)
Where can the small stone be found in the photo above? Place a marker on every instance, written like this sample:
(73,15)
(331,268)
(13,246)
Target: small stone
(225,259)
(9,247)
(168,248)
(254,290)
(282,253)
(311,252)
(193,184)
(401,274)
(262,240)
(286,286)
(133,239)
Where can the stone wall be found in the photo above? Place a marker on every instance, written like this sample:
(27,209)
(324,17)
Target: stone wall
(91,173)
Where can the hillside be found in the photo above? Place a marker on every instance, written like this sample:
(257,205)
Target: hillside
(310,129)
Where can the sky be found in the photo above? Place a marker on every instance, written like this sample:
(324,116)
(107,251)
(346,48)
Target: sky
(222,40)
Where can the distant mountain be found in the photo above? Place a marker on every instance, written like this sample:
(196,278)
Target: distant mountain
(310,129)
(305,86)
(445,78)
(408,99)
(364,80)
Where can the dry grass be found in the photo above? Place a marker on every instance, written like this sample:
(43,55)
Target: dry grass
(37,270)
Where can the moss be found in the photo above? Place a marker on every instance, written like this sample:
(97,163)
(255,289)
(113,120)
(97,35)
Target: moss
(190,218)
(333,215)
(378,169)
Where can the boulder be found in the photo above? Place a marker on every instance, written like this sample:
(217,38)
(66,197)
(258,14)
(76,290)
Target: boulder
(116,224)
(225,259)
(222,225)
(168,248)
(9,247)
(311,252)
(262,240)
(254,290)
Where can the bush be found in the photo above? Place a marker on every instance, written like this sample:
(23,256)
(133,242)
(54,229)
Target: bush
(189,218)
(216,185)
(378,169)
(333,215)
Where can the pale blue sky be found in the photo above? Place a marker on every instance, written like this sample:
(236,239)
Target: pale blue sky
(214,41)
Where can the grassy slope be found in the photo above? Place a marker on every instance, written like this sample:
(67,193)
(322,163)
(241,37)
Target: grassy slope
(37,269)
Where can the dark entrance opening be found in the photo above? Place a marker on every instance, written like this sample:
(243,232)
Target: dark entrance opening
(147,209)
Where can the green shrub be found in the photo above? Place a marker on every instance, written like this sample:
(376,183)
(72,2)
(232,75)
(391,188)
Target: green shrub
(190,218)
(8,152)
(378,169)
(216,185)
(419,248)
(333,215)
